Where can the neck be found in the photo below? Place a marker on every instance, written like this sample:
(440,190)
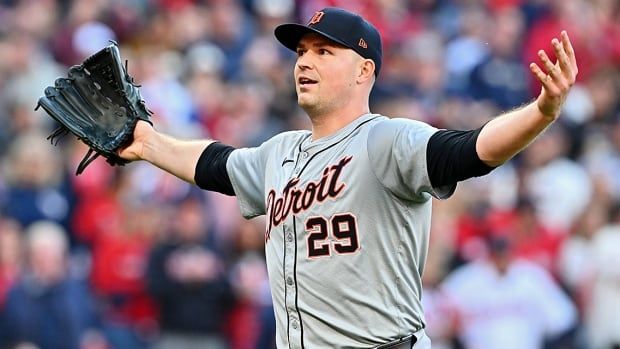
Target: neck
(326,124)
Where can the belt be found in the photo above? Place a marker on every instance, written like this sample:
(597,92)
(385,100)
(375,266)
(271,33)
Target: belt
(406,342)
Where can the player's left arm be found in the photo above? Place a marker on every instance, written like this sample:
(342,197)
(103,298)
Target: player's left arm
(503,137)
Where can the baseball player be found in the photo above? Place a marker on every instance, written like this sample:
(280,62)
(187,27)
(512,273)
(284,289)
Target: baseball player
(348,204)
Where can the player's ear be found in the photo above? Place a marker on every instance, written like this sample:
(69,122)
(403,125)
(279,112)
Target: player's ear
(366,70)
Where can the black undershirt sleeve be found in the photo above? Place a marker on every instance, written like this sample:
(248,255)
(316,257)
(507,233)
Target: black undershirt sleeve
(451,157)
(211,171)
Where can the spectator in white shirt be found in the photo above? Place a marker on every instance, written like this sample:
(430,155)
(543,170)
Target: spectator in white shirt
(589,265)
(502,302)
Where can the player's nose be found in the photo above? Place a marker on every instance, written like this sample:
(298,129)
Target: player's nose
(304,62)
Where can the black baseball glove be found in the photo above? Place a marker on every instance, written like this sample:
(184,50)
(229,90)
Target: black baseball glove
(99,103)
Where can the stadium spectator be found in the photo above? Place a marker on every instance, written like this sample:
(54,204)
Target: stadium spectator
(503,302)
(47,306)
(188,280)
(589,263)
(35,184)
(119,233)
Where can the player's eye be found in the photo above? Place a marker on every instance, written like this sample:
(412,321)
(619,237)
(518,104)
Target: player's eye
(300,52)
(323,51)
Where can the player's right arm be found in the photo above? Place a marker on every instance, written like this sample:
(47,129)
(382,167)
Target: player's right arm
(209,164)
(178,157)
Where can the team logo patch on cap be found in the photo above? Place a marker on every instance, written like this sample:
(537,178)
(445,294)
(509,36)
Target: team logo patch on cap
(363,43)
(316,18)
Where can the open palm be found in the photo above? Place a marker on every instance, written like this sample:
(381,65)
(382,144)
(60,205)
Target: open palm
(556,79)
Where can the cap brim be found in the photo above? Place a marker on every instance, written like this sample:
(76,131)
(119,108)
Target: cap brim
(290,34)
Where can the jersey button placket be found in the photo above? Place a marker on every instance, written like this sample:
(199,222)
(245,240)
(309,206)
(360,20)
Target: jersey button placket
(291,291)
(295,325)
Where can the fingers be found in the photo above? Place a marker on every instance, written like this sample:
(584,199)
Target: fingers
(542,76)
(568,49)
(552,70)
(566,56)
(559,77)
(549,76)
(556,78)
(563,60)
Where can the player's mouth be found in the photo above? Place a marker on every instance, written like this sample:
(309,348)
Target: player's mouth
(303,81)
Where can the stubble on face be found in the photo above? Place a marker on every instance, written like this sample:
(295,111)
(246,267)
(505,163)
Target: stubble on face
(309,101)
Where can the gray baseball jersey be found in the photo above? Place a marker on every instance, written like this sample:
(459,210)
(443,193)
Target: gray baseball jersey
(348,220)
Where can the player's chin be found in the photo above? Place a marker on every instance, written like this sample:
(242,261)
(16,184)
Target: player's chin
(305,100)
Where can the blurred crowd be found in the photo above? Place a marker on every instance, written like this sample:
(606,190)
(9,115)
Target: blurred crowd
(130,257)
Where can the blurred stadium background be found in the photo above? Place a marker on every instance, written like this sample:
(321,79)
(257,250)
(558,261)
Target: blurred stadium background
(128,258)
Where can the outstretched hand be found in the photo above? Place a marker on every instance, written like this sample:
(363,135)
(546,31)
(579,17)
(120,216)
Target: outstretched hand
(135,150)
(556,79)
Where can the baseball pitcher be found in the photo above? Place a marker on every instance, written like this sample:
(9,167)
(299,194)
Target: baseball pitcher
(348,204)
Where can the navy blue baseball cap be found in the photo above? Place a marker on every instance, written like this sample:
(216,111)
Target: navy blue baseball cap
(338,25)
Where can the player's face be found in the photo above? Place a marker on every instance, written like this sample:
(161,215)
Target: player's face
(324,74)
